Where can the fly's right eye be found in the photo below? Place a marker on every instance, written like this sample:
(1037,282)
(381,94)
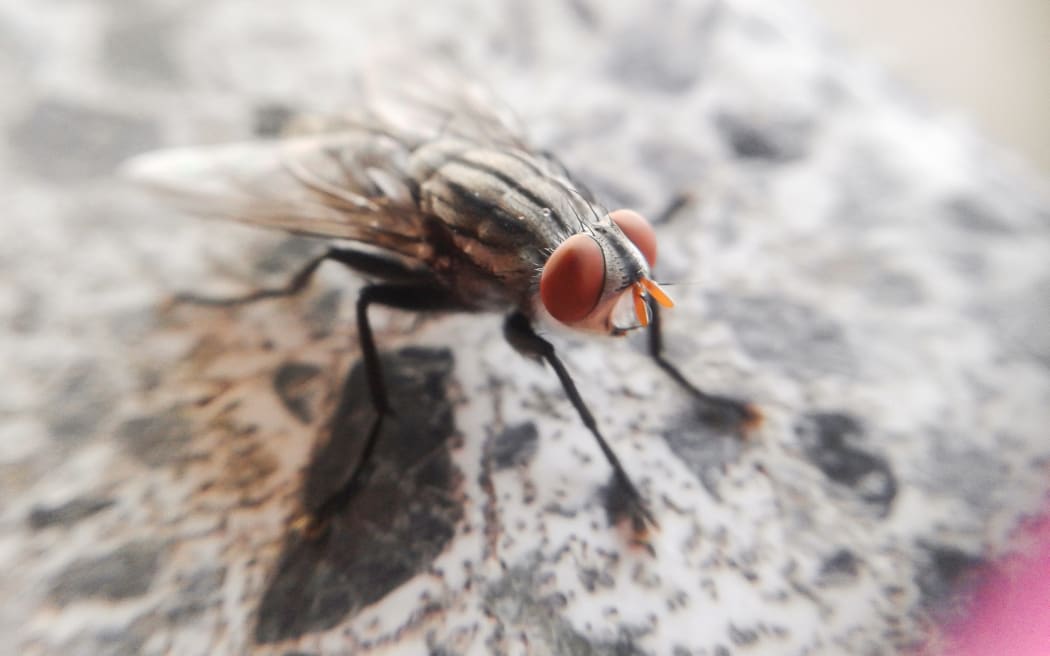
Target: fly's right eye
(573,279)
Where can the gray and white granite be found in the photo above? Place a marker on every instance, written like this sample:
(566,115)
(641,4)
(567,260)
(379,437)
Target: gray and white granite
(863,267)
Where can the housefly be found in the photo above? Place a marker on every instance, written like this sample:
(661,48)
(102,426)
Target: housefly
(436,199)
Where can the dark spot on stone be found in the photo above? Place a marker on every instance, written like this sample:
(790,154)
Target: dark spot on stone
(394,526)
(741,637)
(643,60)
(514,446)
(839,567)
(139,49)
(825,439)
(799,339)
(66,514)
(122,574)
(156,440)
(946,576)
(721,650)
(64,142)
(77,406)
(591,578)
(298,386)
(971,213)
(271,119)
(775,142)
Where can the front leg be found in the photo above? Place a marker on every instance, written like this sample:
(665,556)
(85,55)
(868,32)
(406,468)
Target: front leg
(719,411)
(519,333)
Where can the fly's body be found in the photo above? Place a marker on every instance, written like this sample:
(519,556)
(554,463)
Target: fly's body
(444,208)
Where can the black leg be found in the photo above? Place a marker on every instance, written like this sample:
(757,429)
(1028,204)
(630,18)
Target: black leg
(524,339)
(419,298)
(719,411)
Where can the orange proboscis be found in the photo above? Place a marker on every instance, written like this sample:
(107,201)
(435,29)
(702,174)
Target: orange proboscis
(640,309)
(658,294)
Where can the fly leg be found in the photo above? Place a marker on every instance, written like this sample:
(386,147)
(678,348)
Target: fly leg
(524,339)
(419,298)
(365,262)
(719,411)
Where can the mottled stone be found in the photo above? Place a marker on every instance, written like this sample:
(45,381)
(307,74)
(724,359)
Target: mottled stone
(196,593)
(124,573)
(67,513)
(156,440)
(65,142)
(826,440)
(678,164)
(105,641)
(139,48)
(513,446)
(806,343)
(79,403)
(515,601)
(642,61)
(839,567)
(395,524)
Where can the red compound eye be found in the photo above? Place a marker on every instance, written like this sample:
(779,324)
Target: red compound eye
(638,231)
(572,279)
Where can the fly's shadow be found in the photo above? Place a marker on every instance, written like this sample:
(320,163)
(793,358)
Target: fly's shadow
(401,518)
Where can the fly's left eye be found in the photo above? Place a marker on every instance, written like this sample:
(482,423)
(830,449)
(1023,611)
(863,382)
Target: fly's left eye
(638,230)
(572,279)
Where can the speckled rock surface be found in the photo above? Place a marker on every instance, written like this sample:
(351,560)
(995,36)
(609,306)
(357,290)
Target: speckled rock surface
(870,273)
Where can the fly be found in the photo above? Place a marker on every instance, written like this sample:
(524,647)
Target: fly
(442,206)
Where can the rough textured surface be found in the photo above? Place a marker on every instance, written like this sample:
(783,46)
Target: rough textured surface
(871,275)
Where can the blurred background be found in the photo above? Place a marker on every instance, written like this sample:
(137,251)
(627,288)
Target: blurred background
(988,60)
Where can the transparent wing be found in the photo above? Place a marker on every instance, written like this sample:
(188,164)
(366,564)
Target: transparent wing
(351,185)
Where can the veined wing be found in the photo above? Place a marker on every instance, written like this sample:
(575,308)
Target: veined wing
(347,185)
